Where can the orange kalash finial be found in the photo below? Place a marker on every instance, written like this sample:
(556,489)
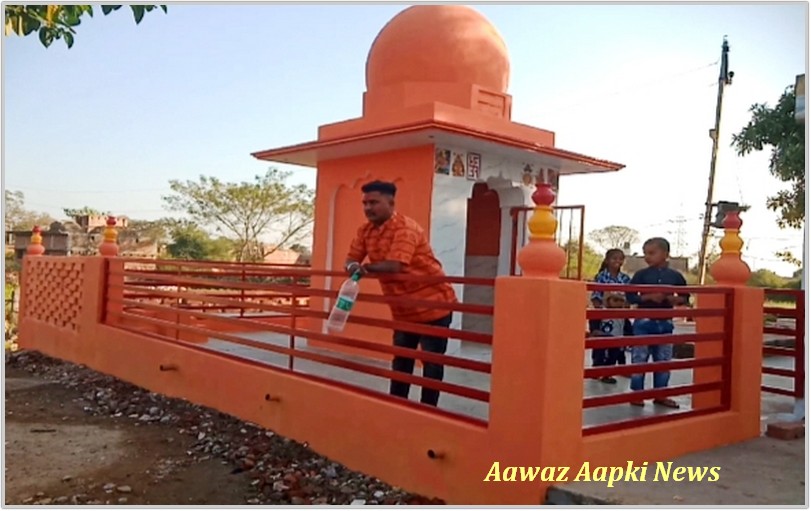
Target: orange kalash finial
(542,257)
(35,248)
(109,247)
(730,269)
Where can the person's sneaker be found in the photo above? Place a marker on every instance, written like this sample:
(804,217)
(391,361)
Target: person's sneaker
(608,379)
(669,403)
(637,403)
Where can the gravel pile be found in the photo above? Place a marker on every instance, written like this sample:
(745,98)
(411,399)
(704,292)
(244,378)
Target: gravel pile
(281,470)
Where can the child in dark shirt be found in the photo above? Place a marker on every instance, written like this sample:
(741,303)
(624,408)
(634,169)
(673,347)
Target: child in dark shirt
(657,252)
(603,357)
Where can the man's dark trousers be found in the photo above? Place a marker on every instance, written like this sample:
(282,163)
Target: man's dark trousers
(429,370)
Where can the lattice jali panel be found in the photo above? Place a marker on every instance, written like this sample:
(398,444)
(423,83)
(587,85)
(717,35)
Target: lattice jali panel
(53,289)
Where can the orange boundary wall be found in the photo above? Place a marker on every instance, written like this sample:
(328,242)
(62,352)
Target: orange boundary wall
(536,390)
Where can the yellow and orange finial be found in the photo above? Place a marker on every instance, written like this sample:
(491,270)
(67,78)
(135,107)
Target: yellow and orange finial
(542,257)
(109,247)
(35,247)
(730,269)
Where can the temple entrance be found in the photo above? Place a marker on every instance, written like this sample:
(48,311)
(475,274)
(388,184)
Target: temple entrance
(482,250)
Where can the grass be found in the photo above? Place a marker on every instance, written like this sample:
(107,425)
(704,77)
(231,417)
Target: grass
(9,290)
(782,305)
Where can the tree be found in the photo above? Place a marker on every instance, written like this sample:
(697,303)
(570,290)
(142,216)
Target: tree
(614,236)
(787,256)
(83,211)
(247,211)
(189,241)
(591,261)
(777,127)
(17,218)
(766,278)
(54,22)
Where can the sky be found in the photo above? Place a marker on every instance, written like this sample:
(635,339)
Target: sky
(109,122)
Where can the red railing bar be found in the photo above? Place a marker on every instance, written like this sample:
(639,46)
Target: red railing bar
(788,332)
(599,372)
(354,318)
(796,293)
(647,421)
(780,352)
(281,273)
(315,378)
(778,371)
(640,340)
(627,397)
(190,262)
(652,313)
(236,272)
(647,288)
(323,359)
(777,390)
(136,292)
(425,356)
(211,284)
(457,307)
(781,312)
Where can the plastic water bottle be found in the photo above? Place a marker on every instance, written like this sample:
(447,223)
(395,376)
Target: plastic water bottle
(346,299)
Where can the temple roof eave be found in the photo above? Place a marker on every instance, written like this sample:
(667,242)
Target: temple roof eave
(309,154)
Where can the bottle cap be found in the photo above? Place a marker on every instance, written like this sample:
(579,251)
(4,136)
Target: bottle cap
(356,276)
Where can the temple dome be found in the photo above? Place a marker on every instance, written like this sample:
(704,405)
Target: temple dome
(438,43)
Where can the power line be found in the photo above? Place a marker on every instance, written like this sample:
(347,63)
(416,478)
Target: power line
(631,89)
(23,188)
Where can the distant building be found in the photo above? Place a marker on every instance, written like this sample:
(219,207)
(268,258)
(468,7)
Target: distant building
(286,256)
(82,236)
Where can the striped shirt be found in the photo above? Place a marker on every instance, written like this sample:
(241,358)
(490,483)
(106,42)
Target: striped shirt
(402,239)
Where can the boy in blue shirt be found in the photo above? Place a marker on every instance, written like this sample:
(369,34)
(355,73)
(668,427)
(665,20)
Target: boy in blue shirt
(657,252)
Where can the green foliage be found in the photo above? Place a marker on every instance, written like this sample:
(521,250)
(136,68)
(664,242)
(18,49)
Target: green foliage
(787,256)
(767,279)
(777,128)
(83,211)
(591,261)
(614,236)
(53,22)
(189,241)
(17,218)
(247,211)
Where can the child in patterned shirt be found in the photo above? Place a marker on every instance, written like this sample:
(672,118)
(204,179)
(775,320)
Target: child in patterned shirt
(619,327)
(610,273)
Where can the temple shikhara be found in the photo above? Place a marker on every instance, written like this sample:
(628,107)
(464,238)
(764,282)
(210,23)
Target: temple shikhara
(519,388)
(441,129)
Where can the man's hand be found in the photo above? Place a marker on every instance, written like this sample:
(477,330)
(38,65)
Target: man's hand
(676,300)
(354,267)
(653,297)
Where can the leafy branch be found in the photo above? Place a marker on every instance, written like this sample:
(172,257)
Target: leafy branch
(54,22)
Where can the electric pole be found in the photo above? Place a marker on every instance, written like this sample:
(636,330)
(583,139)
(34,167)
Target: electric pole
(678,233)
(724,79)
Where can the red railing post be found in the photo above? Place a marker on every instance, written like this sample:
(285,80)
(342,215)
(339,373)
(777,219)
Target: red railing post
(292,342)
(799,346)
(242,295)
(726,367)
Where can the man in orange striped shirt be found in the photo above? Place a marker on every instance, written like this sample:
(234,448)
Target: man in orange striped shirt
(396,244)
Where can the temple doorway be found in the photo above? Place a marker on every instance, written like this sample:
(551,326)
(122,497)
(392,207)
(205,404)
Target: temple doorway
(482,250)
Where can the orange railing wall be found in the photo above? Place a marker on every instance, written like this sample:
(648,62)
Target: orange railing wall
(535,415)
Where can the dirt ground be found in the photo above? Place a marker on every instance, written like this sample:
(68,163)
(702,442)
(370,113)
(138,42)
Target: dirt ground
(56,453)
(74,436)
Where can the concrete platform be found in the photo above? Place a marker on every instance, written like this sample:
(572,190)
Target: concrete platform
(760,472)
(773,405)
